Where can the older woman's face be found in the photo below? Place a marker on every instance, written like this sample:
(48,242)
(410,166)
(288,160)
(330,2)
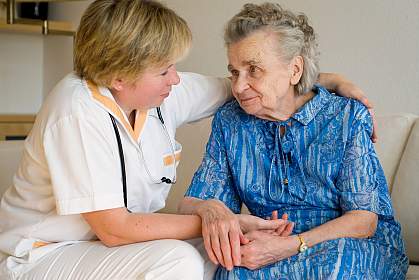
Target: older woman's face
(260,79)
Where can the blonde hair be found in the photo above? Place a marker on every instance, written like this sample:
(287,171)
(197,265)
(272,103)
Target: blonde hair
(122,38)
(295,36)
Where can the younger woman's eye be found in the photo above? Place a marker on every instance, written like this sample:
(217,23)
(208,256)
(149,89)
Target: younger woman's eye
(164,73)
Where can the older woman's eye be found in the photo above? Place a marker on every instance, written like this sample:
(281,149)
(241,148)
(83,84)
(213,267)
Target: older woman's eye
(234,73)
(253,69)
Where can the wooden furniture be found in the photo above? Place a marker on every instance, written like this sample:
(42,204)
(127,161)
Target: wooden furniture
(15,127)
(45,27)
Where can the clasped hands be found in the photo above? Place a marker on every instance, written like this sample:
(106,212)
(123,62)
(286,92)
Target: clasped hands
(245,240)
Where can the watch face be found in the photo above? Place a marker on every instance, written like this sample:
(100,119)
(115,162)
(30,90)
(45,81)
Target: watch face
(303,247)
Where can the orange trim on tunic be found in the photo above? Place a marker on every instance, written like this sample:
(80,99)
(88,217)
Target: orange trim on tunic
(168,160)
(111,105)
(38,244)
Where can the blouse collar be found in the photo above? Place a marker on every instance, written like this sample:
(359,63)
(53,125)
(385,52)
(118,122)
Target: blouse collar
(309,110)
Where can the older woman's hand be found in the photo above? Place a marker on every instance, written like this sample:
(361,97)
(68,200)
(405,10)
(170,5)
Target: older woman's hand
(273,225)
(222,231)
(264,248)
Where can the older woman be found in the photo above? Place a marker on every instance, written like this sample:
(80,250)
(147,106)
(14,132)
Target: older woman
(286,144)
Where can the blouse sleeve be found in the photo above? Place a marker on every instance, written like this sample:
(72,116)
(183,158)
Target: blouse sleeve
(361,179)
(213,179)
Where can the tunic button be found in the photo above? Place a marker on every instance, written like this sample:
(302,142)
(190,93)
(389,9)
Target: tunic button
(285,181)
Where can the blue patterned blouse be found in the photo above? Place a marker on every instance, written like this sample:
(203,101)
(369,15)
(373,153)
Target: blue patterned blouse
(324,165)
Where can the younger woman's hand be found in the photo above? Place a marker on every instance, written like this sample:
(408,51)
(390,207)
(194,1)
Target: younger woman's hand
(222,233)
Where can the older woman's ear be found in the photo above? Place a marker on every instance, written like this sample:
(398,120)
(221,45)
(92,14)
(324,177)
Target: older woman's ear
(296,67)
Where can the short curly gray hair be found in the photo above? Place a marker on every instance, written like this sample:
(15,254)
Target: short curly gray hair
(295,36)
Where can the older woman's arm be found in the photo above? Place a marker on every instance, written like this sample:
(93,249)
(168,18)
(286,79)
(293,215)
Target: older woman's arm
(265,248)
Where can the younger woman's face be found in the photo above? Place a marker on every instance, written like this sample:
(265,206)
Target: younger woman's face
(148,90)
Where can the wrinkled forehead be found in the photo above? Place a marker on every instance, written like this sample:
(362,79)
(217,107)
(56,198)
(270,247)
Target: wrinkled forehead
(258,47)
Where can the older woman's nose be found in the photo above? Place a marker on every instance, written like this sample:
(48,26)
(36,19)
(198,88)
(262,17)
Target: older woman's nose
(240,84)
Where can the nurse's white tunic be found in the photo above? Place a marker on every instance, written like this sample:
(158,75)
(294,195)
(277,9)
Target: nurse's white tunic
(71,164)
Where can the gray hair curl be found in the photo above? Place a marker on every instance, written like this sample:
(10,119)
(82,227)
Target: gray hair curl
(295,36)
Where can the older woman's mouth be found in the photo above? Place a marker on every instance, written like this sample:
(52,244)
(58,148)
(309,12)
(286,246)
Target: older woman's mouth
(248,100)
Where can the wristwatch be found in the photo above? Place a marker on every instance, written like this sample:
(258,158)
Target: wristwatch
(303,245)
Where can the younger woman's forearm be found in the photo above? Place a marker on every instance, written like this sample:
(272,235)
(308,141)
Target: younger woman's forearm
(331,81)
(165,226)
(117,227)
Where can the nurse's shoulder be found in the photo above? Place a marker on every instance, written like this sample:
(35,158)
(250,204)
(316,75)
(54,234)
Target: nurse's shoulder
(70,98)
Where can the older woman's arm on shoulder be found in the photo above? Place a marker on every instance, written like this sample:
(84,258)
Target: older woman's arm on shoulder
(115,227)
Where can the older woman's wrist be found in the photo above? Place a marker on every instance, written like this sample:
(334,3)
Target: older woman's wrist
(286,247)
(294,244)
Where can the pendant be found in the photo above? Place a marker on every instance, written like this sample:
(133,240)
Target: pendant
(285,181)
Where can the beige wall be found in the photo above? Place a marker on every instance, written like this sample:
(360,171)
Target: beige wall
(375,43)
(21,62)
